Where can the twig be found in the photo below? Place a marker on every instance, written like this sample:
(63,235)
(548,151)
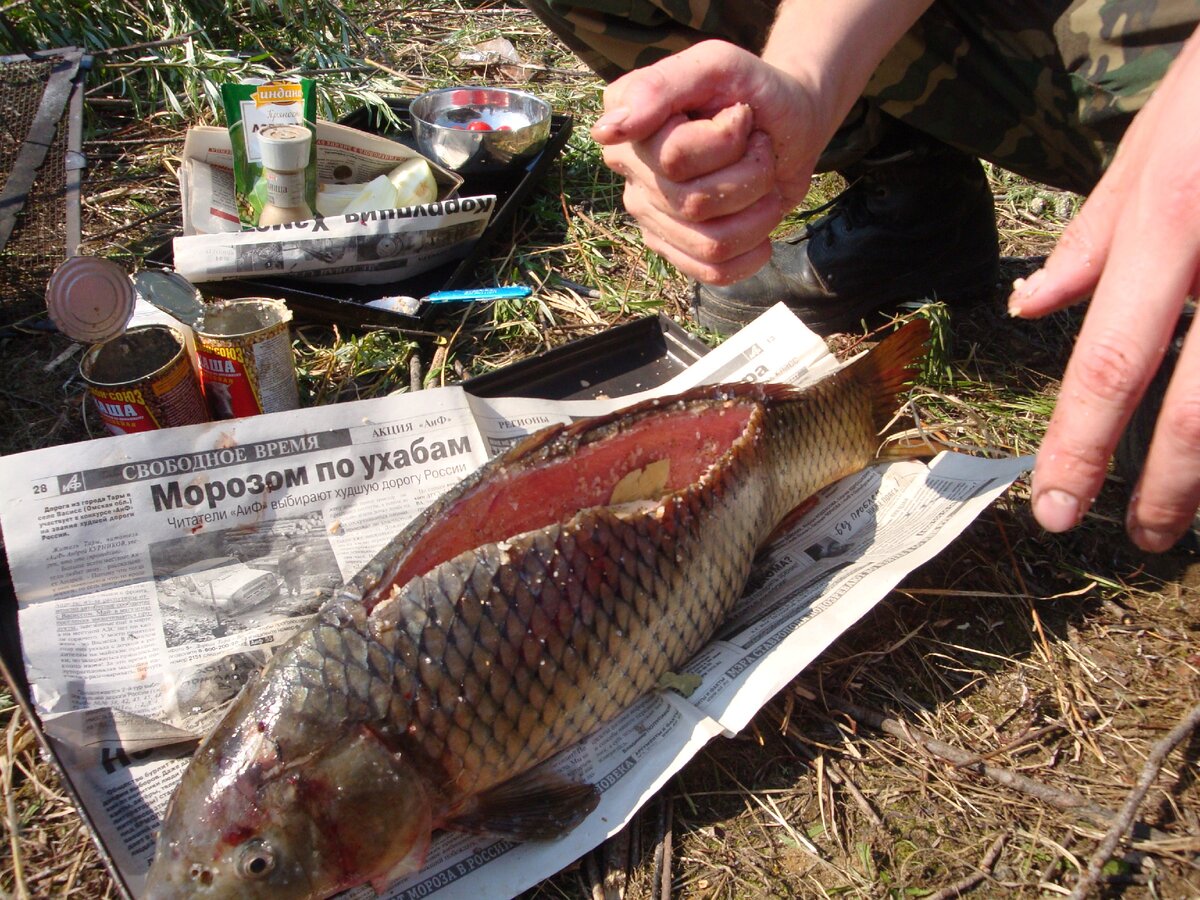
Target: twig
(849,785)
(1068,801)
(595,877)
(1124,820)
(394,73)
(437,365)
(969,882)
(147,45)
(74,873)
(132,142)
(660,887)
(615,863)
(1025,737)
(31,400)
(141,220)
(414,372)
(10,809)
(836,774)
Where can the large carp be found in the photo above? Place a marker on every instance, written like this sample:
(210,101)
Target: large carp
(530,604)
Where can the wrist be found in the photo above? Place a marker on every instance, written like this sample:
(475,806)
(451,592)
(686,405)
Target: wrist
(831,50)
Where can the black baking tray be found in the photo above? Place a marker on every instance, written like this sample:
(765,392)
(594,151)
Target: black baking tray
(622,360)
(345,304)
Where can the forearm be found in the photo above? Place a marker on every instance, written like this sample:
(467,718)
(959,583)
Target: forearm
(832,48)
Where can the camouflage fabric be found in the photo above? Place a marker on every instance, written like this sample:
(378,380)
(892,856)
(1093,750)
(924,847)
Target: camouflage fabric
(1043,89)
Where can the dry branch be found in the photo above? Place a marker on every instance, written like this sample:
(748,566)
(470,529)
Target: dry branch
(660,886)
(1124,820)
(975,878)
(1068,801)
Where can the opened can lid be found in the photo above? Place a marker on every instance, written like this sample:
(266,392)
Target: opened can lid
(90,299)
(172,293)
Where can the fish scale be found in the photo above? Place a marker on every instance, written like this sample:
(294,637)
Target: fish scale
(522,610)
(632,628)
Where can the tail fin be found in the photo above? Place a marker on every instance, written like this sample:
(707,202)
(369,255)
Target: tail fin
(888,369)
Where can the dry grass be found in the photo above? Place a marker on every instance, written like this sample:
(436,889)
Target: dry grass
(971,735)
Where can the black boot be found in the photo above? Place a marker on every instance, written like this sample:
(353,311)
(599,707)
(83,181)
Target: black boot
(917,222)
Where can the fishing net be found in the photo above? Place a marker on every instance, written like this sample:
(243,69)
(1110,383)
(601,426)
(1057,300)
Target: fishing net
(39,170)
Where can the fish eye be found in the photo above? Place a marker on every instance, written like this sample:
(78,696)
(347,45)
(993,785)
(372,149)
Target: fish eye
(256,860)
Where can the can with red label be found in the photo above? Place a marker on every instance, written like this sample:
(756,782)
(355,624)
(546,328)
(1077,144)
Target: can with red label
(246,361)
(143,380)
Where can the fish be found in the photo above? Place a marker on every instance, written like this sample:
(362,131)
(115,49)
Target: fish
(531,603)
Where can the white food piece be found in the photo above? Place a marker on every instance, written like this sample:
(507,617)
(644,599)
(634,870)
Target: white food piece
(332,198)
(377,194)
(414,182)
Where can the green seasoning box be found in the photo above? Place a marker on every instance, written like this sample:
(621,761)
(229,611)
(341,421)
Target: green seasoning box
(252,107)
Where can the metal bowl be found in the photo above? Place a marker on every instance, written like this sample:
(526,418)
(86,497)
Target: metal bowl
(477,130)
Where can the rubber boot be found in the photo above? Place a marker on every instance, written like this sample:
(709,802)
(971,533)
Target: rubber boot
(916,222)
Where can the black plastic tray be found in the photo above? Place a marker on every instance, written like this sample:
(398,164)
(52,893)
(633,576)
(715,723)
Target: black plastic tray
(345,304)
(621,360)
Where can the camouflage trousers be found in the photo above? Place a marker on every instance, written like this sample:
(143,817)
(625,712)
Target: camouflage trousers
(1045,90)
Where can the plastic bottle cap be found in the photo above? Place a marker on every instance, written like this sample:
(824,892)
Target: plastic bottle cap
(90,299)
(284,148)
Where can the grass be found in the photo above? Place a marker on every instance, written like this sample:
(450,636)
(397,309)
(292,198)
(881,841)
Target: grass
(1061,659)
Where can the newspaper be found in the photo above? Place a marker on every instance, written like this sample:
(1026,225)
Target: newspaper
(375,247)
(154,573)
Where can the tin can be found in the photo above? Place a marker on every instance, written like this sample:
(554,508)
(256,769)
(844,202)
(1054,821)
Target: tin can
(143,380)
(246,362)
(90,299)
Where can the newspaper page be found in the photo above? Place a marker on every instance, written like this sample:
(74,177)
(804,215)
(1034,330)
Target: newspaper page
(374,247)
(156,572)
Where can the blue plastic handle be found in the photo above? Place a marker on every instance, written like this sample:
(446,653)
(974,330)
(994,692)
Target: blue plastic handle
(515,292)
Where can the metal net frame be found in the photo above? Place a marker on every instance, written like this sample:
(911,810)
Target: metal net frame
(41,165)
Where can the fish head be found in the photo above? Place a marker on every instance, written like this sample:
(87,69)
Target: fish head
(259,816)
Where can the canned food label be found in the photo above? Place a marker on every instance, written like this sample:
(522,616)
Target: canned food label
(246,363)
(124,412)
(144,380)
(171,400)
(249,378)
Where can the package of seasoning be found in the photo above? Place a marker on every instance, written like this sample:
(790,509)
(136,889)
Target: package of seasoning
(278,109)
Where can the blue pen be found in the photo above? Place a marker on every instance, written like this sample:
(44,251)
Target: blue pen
(515,292)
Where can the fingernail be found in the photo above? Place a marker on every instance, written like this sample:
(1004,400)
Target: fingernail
(1024,288)
(1014,308)
(613,118)
(1056,510)
(1152,540)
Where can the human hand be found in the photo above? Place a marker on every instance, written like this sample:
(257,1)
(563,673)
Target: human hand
(1135,247)
(716,146)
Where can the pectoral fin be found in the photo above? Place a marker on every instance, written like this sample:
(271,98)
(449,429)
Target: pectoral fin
(682,683)
(538,805)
